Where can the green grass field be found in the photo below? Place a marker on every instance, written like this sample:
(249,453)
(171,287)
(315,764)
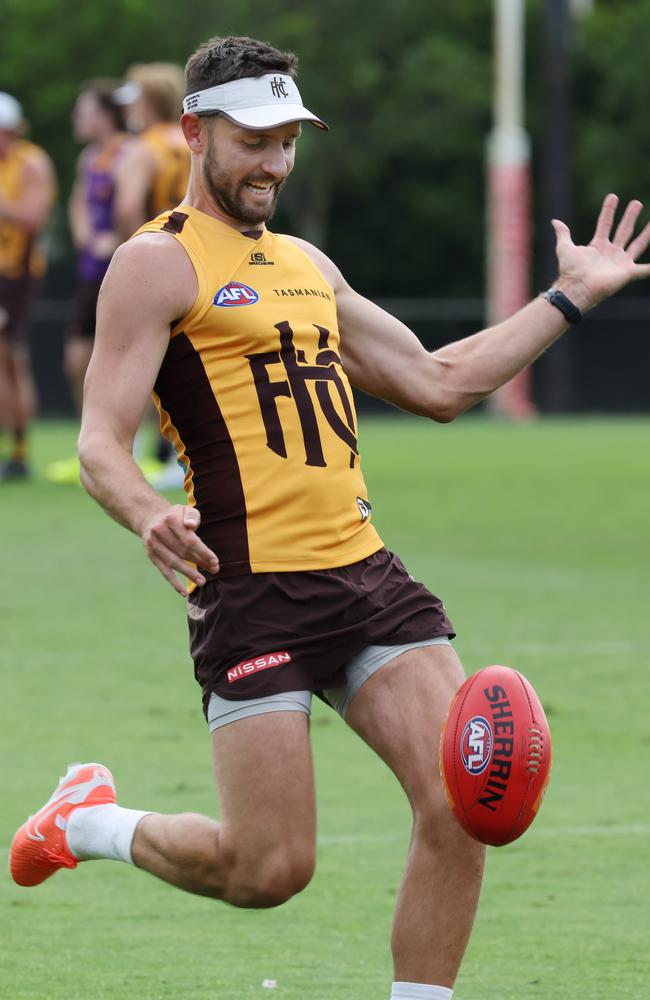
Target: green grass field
(537,538)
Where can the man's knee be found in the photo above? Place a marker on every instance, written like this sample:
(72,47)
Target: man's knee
(281,876)
(271,877)
(437,829)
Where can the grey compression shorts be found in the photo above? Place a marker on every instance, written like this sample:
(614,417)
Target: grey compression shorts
(222,711)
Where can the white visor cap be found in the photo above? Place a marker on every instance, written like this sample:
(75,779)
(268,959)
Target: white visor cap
(11,113)
(127,93)
(254,102)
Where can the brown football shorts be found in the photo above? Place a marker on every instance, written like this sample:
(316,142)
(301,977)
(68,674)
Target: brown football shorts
(269,633)
(84,317)
(17,297)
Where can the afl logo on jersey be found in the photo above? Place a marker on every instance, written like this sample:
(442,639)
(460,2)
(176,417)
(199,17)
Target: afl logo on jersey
(235,294)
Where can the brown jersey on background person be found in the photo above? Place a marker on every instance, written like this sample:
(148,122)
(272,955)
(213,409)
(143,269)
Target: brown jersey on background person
(253,402)
(27,192)
(153,176)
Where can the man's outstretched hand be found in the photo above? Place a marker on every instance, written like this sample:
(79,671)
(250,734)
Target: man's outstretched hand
(172,544)
(589,274)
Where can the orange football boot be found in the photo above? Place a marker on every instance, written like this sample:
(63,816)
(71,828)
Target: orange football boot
(39,847)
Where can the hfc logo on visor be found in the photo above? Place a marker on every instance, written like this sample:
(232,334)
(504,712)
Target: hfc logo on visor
(279,87)
(235,294)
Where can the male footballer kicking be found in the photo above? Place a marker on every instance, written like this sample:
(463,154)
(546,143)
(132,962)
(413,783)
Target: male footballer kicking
(250,342)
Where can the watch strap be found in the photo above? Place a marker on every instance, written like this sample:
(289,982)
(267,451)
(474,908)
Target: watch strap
(558,299)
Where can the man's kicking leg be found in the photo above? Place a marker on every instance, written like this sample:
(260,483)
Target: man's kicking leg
(399,712)
(259,854)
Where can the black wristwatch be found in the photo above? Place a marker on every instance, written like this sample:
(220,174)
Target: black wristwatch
(558,299)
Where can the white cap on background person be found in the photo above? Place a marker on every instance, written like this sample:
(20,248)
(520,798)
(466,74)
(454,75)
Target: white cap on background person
(11,113)
(127,93)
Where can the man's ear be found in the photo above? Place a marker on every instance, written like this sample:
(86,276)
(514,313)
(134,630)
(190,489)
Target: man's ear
(195,132)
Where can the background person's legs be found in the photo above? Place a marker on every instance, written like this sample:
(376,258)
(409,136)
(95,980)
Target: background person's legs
(263,849)
(17,401)
(399,712)
(76,358)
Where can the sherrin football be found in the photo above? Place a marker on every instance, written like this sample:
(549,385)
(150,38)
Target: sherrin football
(495,755)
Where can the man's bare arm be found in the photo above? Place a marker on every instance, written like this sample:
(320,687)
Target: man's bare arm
(78,209)
(32,209)
(383,357)
(133,180)
(150,282)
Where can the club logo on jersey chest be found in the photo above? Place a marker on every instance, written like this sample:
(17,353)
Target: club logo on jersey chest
(298,374)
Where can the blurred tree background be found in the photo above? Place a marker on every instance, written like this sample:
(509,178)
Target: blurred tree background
(395,192)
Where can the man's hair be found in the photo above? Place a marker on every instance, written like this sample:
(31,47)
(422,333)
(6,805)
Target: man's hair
(162,86)
(103,90)
(221,60)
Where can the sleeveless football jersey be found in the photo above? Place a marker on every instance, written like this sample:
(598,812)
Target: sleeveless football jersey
(172,166)
(20,253)
(253,396)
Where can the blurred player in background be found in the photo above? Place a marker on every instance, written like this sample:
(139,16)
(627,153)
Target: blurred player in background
(27,191)
(153,178)
(156,169)
(251,342)
(98,122)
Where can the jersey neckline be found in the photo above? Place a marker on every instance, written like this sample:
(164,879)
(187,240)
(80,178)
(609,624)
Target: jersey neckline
(251,235)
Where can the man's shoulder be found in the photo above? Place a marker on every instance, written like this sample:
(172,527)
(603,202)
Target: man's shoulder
(321,261)
(135,153)
(153,267)
(163,136)
(86,156)
(308,248)
(32,156)
(36,168)
(155,254)
(156,241)
(29,150)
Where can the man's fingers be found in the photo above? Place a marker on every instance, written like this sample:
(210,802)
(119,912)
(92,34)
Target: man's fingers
(193,548)
(562,232)
(639,245)
(204,557)
(606,217)
(191,518)
(169,575)
(173,546)
(162,553)
(642,271)
(626,226)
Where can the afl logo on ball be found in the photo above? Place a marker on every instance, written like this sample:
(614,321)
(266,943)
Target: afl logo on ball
(235,294)
(476,745)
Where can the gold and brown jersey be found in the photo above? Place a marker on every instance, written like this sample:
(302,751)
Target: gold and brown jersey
(20,253)
(171,166)
(254,398)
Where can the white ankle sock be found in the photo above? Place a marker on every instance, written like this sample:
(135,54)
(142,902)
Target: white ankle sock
(102,832)
(420,991)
